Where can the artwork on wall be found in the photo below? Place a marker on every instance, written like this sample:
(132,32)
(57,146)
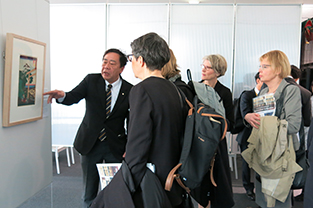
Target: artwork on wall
(23,80)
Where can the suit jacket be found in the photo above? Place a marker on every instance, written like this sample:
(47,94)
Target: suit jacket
(156,127)
(246,106)
(305,100)
(92,89)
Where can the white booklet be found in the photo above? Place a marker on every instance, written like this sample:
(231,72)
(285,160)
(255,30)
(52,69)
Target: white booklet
(108,170)
(265,105)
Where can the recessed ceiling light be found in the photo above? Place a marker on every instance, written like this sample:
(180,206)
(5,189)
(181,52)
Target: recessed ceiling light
(193,2)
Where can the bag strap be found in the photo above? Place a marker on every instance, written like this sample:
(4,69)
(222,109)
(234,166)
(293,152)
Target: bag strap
(279,102)
(211,171)
(170,179)
(182,96)
(212,119)
(172,175)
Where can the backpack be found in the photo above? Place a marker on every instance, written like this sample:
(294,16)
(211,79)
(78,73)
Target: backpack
(204,129)
(238,120)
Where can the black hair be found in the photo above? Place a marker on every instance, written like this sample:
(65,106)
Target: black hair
(257,76)
(123,58)
(295,72)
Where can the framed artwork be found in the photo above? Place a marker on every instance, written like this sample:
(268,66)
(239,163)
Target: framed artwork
(23,80)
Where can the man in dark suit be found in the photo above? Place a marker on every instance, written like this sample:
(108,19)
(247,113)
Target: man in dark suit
(246,106)
(101,135)
(306,107)
(305,95)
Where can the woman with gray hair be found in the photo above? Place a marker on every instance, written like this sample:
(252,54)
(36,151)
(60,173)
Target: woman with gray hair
(213,67)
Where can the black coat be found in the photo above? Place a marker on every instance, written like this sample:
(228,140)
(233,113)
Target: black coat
(305,101)
(156,126)
(187,90)
(308,199)
(120,192)
(246,106)
(92,89)
(222,195)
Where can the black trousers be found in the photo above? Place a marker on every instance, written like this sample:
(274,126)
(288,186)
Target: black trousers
(99,153)
(246,171)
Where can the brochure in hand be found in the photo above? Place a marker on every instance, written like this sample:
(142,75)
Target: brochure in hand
(108,170)
(264,105)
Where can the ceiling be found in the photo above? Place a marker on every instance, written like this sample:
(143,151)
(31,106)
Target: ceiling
(186,1)
(307,9)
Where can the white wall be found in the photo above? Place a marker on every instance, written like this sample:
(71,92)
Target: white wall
(25,150)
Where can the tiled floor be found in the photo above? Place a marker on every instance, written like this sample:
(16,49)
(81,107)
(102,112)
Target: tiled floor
(65,190)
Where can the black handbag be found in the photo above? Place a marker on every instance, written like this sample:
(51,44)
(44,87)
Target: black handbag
(300,177)
(238,125)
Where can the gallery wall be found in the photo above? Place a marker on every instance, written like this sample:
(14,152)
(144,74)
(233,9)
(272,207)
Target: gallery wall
(25,149)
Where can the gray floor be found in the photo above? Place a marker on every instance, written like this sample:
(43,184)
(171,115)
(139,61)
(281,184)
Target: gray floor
(66,188)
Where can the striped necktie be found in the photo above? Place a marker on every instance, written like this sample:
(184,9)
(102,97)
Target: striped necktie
(107,111)
(108,101)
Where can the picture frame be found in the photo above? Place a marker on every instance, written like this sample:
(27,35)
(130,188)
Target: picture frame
(24,75)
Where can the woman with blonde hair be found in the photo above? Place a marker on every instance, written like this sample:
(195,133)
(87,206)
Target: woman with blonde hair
(171,72)
(274,67)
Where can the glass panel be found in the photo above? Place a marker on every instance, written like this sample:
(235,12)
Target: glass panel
(199,30)
(260,29)
(128,22)
(77,46)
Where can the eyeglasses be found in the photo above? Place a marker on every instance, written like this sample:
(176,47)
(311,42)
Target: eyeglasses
(264,66)
(130,57)
(205,67)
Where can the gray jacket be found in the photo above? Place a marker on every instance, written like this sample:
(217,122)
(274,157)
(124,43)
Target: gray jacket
(291,109)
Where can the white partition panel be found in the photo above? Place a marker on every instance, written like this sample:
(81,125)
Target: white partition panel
(199,30)
(127,22)
(260,29)
(77,47)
